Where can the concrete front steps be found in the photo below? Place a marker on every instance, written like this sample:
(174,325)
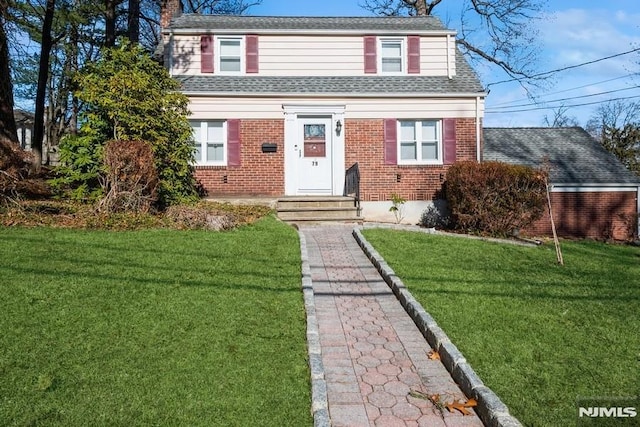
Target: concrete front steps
(317,209)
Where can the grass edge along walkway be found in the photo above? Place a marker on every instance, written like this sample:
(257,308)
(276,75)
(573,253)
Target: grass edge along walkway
(538,334)
(153,327)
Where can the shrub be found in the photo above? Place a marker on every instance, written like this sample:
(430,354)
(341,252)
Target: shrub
(131,180)
(494,197)
(128,96)
(435,216)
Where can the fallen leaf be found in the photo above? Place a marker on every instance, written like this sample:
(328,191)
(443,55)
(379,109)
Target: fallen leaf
(462,407)
(433,355)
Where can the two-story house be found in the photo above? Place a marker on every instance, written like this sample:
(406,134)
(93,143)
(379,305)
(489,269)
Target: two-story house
(284,106)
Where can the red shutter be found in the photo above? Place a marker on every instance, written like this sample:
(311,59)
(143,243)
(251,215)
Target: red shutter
(449,141)
(370,60)
(414,54)
(233,142)
(390,142)
(252,54)
(206,54)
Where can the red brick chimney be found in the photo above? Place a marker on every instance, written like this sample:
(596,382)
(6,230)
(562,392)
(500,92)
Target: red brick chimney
(169,9)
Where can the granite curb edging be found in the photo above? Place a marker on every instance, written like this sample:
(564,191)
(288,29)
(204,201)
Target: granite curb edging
(319,399)
(491,410)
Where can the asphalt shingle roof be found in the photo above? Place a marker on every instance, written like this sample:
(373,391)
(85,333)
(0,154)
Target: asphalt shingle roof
(394,24)
(465,81)
(575,156)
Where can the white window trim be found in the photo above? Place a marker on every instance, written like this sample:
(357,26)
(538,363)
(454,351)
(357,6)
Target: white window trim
(204,124)
(403,55)
(418,130)
(218,55)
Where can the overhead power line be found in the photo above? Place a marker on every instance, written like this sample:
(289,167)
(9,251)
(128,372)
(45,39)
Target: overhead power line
(562,99)
(567,106)
(565,68)
(507,103)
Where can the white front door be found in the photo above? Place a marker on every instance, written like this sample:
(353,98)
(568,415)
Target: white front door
(314,146)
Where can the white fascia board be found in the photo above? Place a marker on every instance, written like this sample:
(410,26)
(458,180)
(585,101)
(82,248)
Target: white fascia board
(334,95)
(594,188)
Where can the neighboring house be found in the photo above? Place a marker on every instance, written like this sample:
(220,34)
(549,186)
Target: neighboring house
(24,122)
(593,195)
(283,106)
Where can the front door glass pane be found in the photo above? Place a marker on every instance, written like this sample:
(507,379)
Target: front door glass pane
(315,140)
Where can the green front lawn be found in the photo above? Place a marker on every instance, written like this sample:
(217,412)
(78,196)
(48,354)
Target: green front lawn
(154,327)
(539,334)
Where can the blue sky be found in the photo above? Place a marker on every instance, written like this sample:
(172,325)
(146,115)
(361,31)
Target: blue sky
(572,32)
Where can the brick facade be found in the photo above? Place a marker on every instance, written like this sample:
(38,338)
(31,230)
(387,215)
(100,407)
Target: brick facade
(598,215)
(363,144)
(259,174)
(262,174)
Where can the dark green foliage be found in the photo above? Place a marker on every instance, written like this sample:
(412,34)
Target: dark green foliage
(624,143)
(128,96)
(79,170)
(494,197)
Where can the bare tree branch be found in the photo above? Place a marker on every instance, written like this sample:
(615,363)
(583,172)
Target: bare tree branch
(499,32)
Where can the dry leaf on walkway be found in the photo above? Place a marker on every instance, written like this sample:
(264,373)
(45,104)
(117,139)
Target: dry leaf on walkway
(462,407)
(433,355)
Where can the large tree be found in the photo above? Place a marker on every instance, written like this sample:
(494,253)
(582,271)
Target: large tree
(498,31)
(12,160)
(616,124)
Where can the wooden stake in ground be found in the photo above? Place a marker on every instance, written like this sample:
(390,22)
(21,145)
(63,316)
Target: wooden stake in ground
(556,241)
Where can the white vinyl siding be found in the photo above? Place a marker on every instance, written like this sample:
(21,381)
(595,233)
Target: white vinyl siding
(311,55)
(360,108)
(210,142)
(420,142)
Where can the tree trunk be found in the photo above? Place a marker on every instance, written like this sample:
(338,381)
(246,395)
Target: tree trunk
(8,130)
(110,23)
(43,78)
(134,21)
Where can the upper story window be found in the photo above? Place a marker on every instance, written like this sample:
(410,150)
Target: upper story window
(210,142)
(231,54)
(391,56)
(420,142)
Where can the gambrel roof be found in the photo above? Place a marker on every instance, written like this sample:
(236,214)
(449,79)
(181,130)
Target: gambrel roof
(368,25)
(575,156)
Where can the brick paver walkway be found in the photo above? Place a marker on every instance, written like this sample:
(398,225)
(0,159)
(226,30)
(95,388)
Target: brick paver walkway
(373,354)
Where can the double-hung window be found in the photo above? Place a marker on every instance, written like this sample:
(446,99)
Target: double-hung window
(210,141)
(230,57)
(392,55)
(420,142)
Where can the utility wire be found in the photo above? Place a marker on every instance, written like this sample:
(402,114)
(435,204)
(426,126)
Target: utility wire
(565,68)
(567,106)
(564,99)
(565,90)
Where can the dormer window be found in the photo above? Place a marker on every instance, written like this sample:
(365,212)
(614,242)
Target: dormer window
(391,55)
(231,53)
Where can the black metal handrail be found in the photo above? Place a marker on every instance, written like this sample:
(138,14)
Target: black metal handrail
(352,184)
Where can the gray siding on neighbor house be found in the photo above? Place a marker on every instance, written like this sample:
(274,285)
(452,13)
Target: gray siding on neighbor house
(575,156)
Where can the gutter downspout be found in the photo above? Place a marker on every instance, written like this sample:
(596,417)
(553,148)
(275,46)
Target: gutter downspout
(170,53)
(449,73)
(638,213)
(478,131)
